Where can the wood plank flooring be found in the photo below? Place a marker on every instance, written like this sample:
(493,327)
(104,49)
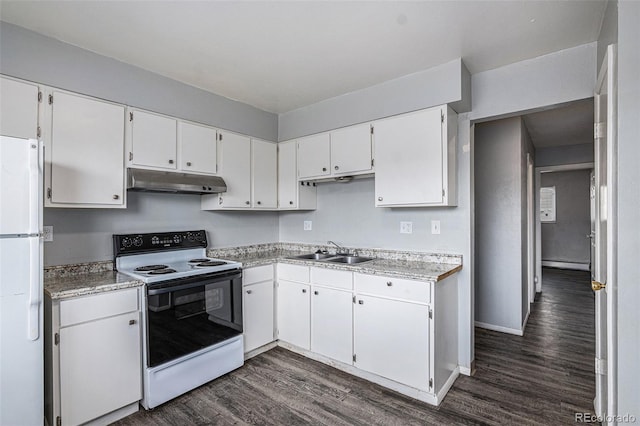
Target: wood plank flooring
(543,377)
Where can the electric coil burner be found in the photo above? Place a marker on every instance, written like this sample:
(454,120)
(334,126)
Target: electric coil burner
(192,310)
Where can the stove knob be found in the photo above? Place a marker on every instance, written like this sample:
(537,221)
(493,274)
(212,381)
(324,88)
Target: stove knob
(198,237)
(126,242)
(137,241)
(176,239)
(190,236)
(155,240)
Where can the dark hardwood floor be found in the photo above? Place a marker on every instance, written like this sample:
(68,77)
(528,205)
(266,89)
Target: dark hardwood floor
(543,377)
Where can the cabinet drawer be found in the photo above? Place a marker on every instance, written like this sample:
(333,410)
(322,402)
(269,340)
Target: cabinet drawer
(396,288)
(332,278)
(257,274)
(293,273)
(88,308)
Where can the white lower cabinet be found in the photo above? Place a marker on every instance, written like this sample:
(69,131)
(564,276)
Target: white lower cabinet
(332,323)
(294,310)
(258,307)
(391,339)
(93,358)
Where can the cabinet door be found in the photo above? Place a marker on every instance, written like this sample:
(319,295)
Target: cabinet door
(236,169)
(351,150)
(332,323)
(153,140)
(258,315)
(287,176)
(198,148)
(100,367)
(18,109)
(86,152)
(264,174)
(391,339)
(294,321)
(314,156)
(409,159)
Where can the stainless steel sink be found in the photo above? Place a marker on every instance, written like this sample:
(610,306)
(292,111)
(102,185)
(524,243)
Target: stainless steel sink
(313,256)
(350,259)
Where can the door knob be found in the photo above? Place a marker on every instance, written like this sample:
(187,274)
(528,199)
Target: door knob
(596,285)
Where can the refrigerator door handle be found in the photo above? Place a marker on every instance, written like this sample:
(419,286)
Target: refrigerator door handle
(34,186)
(35,291)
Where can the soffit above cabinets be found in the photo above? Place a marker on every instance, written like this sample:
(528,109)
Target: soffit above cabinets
(279,56)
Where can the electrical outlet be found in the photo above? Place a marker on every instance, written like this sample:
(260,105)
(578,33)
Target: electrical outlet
(406,227)
(435,226)
(307,225)
(47,233)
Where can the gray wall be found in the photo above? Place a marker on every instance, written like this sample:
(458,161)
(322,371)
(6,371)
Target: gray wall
(565,240)
(628,233)
(608,31)
(568,154)
(498,222)
(526,148)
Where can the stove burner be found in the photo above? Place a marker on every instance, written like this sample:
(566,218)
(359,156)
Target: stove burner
(211,263)
(204,259)
(162,271)
(148,268)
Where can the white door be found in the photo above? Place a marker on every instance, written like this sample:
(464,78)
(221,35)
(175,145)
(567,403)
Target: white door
(236,169)
(258,315)
(198,148)
(287,176)
(332,323)
(351,150)
(603,272)
(18,109)
(294,313)
(100,367)
(86,151)
(314,156)
(409,159)
(391,339)
(153,140)
(264,174)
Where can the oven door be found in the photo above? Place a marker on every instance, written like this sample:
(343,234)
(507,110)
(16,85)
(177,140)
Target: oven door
(190,314)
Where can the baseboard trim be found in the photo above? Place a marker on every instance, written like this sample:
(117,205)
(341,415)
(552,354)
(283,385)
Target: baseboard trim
(526,318)
(499,328)
(260,350)
(566,265)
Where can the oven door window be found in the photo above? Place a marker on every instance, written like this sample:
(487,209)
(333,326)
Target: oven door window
(184,321)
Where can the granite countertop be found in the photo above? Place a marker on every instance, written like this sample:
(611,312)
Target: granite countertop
(409,269)
(82,284)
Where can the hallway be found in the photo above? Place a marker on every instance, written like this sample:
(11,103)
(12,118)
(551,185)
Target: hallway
(543,377)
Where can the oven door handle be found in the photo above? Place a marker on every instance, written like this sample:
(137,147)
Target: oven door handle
(195,282)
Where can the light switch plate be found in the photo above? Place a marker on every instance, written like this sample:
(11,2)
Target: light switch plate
(47,233)
(435,226)
(307,225)
(406,227)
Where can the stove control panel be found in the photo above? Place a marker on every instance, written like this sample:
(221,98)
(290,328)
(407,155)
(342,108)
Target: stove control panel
(153,242)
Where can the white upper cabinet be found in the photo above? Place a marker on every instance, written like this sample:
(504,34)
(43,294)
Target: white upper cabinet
(153,140)
(264,176)
(84,146)
(314,156)
(197,147)
(415,159)
(351,150)
(235,160)
(18,109)
(292,195)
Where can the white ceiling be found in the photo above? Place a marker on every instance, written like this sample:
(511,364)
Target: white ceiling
(569,125)
(280,56)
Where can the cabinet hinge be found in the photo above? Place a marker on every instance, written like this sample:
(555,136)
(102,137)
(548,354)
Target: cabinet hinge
(56,339)
(220,200)
(38,132)
(50,99)
(372,161)
(371,129)
(58,421)
(131,156)
(39,96)
(443,192)
(49,193)
(354,357)
(430,383)
(441,117)
(220,136)
(599,130)
(430,313)
(354,299)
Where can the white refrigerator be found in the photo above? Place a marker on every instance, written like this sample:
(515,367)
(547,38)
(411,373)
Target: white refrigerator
(21,293)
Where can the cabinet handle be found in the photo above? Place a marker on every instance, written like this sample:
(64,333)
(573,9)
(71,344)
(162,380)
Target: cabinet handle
(389,283)
(324,169)
(291,202)
(259,202)
(116,196)
(132,322)
(188,163)
(247,202)
(304,290)
(336,167)
(170,161)
(360,302)
(248,291)
(315,292)
(379,198)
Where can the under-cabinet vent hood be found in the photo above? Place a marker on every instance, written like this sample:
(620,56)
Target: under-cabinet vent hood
(181,183)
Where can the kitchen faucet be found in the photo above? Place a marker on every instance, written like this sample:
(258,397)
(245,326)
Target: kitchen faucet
(340,251)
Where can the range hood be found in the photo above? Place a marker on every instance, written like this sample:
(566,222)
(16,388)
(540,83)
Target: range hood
(181,183)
